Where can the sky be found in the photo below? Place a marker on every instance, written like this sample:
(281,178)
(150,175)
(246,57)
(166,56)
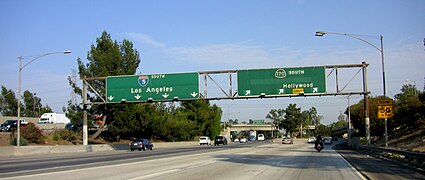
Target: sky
(193,36)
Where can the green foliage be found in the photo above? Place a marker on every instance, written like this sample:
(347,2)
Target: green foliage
(154,121)
(108,58)
(56,136)
(339,124)
(32,106)
(105,58)
(22,141)
(323,130)
(65,135)
(409,113)
(158,121)
(410,109)
(291,118)
(8,102)
(32,133)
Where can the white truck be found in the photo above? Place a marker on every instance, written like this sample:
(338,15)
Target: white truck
(53,118)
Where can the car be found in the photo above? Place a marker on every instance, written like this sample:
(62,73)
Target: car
(8,125)
(243,140)
(328,140)
(287,140)
(220,140)
(260,137)
(204,140)
(74,127)
(311,140)
(252,138)
(141,144)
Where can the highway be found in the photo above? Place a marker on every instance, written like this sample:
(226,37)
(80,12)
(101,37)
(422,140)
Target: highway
(236,161)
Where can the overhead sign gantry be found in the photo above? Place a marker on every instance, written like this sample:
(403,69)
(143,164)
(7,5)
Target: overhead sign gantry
(251,83)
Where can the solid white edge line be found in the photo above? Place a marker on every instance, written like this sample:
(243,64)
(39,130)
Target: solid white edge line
(352,167)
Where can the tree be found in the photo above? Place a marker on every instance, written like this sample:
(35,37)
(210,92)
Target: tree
(109,58)
(323,130)
(8,102)
(410,108)
(341,117)
(409,113)
(315,119)
(32,106)
(106,58)
(276,115)
(207,116)
(292,118)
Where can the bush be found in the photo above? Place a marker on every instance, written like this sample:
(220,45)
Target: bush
(56,136)
(65,135)
(32,133)
(22,142)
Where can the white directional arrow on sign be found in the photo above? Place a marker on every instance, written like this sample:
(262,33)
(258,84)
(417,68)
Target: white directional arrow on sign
(137,96)
(110,98)
(247,92)
(165,95)
(194,94)
(315,89)
(280,91)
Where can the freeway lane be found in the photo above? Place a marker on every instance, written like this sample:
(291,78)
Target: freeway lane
(238,161)
(55,162)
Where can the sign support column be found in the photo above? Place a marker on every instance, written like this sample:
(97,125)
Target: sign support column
(85,132)
(366,104)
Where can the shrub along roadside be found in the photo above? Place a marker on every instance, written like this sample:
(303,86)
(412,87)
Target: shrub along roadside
(32,133)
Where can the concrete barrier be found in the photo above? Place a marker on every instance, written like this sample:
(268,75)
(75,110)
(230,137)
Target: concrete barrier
(8,151)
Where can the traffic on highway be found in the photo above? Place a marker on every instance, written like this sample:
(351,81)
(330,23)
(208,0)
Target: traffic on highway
(251,160)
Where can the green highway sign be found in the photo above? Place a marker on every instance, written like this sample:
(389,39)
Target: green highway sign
(281,81)
(153,87)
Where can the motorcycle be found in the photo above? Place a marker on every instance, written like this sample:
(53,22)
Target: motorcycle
(318,147)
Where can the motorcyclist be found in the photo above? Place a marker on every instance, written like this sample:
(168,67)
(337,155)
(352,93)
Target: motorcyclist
(319,141)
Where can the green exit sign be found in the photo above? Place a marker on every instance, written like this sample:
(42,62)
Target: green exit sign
(153,87)
(281,81)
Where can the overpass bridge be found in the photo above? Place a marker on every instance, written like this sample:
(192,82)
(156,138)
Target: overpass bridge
(247,127)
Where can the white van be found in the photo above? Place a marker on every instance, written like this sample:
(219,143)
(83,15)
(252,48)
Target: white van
(260,137)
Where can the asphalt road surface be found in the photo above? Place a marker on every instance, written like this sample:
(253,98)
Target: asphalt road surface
(236,161)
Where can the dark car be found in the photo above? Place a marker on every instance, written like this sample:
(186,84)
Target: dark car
(328,140)
(141,144)
(220,140)
(8,125)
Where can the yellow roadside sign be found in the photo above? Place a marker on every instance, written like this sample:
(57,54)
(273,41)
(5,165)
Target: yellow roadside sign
(385,102)
(385,112)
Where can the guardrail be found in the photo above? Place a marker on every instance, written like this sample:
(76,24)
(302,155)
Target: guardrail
(414,158)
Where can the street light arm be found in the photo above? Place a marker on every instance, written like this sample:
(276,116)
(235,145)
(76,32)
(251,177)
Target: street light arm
(321,33)
(60,52)
(19,88)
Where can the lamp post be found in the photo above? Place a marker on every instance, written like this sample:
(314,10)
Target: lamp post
(381,50)
(19,87)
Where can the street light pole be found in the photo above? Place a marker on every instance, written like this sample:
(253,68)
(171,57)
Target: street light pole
(381,50)
(19,88)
